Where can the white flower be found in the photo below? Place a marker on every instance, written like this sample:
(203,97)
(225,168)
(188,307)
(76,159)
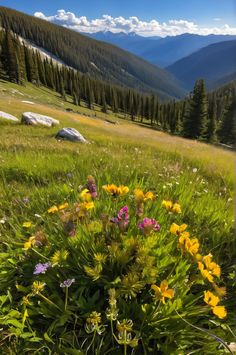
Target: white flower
(194,170)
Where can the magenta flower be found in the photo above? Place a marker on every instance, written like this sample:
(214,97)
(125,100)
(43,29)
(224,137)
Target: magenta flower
(148,225)
(67,283)
(122,219)
(41,268)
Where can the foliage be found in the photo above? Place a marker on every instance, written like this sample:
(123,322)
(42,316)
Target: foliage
(85,281)
(169,179)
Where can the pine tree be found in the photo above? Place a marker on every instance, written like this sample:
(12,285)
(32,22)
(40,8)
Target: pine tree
(11,62)
(104,104)
(196,115)
(227,132)
(152,109)
(212,123)
(62,89)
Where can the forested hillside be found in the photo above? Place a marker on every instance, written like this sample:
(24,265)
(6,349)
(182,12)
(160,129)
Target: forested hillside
(209,117)
(99,60)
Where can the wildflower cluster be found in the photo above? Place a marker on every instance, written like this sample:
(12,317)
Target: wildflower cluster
(171,206)
(209,269)
(113,272)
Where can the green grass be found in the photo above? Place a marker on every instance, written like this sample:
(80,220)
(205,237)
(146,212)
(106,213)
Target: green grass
(122,153)
(34,165)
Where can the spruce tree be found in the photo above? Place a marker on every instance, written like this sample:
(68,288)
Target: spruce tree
(196,115)
(104,104)
(227,132)
(212,123)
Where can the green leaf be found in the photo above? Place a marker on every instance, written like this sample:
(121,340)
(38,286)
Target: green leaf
(47,338)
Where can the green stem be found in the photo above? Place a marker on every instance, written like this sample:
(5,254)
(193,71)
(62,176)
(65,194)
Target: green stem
(112,332)
(66,298)
(125,344)
(48,300)
(41,255)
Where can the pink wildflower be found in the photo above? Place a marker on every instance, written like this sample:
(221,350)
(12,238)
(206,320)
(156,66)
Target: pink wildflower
(122,219)
(148,225)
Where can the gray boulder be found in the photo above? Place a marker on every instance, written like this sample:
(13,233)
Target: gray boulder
(70,134)
(35,119)
(7,116)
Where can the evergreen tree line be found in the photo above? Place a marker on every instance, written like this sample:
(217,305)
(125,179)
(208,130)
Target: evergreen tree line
(209,117)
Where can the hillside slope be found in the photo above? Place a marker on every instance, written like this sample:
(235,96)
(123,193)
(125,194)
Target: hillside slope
(98,59)
(211,63)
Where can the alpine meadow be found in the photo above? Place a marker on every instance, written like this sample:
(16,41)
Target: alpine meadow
(117,182)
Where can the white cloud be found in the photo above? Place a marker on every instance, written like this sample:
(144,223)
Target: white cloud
(133,24)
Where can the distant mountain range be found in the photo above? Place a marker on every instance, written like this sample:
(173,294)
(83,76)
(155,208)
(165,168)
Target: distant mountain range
(215,63)
(100,60)
(160,51)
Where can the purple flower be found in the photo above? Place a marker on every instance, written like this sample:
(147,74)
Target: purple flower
(122,219)
(91,186)
(26,200)
(41,268)
(67,283)
(148,225)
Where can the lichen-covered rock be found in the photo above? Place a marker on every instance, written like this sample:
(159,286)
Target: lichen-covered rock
(71,134)
(7,116)
(35,119)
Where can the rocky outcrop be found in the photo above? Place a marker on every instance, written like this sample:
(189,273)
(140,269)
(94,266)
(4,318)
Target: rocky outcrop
(35,119)
(8,117)
(70,134)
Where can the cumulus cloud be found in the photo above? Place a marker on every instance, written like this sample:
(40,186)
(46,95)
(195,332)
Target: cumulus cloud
(132,24)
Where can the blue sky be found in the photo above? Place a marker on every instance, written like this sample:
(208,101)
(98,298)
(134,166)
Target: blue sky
(203,13)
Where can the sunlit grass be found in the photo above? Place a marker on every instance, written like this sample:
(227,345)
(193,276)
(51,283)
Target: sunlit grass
(37,172)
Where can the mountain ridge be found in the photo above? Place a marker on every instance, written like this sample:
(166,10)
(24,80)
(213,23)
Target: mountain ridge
(160,51)
(78,52)
(213,63)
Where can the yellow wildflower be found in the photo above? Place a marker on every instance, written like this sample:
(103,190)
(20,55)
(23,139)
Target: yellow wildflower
(88,205)
(176,208)
(171,207)
(208,268)
(189,245)
(30,243)
(140,196)
(212,300)
(39,239)
(163,291)
(85,195)
(94,318)
(27,224)
(114,190)
(53,209)
(167,204)
(25,301)
(82,208)
(123,190)
(211,265)
(178,230)
(125,325)
(37,287)
(63,206)
(219,311)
